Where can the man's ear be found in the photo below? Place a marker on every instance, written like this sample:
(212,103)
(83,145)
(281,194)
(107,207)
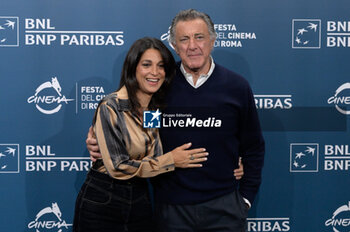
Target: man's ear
(212,44)
(175,48)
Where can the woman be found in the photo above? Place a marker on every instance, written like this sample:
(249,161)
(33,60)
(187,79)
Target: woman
(114,197)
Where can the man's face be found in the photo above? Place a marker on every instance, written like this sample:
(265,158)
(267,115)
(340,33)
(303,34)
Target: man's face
(193,45)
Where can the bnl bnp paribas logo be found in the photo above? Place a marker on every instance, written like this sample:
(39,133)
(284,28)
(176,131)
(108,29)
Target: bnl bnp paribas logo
(151,119)
(306,33)
(9,32)
(9,158)
(304,157)
(42,32)
(48,98)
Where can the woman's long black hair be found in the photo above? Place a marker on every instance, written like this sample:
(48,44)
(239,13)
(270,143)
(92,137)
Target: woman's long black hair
(128,77)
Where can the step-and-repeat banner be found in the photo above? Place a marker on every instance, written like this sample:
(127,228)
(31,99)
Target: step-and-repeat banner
(58,59)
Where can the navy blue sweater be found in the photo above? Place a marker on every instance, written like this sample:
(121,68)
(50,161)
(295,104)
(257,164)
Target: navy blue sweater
(220,116)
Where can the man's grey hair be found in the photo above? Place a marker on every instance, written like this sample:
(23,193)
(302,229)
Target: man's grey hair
(191,14)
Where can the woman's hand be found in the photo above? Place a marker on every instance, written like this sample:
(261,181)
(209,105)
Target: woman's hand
(184,158)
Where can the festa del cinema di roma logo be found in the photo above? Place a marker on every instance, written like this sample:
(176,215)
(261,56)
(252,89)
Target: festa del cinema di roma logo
(49,218)
(341,98)
(340,220)
(48,94)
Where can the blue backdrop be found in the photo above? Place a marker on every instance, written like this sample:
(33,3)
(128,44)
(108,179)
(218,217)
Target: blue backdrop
(59,58)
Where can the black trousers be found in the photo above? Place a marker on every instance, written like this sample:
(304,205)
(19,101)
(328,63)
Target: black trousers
(225,214)
(105,204)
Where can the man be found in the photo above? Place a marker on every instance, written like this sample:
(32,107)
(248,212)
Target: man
(208,198)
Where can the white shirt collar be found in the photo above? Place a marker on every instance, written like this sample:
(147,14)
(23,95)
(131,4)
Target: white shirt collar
(202,78)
